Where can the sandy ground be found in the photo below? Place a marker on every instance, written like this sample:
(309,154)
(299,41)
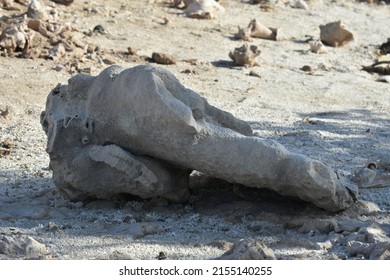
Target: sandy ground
(335,113)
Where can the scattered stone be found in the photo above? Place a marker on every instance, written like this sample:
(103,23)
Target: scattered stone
(162,58)
(249,249)
(245,55)
(6,147)
(182,4)
(36,10)
(168,22)
(21,246)
(127,219)
(57,52)
(362,207)
(161,256)
(257,1)
(335,34)
(12,39)
(385,47)
(8,5)
(131,51)
(379,251)
(369,239)
(243,34)
(374,233)
(383,80)
(37,36)
(190,71)
(355,248)
(265,5)
(204,9)
(4,112)
(254,74)
(306,68)
(38,26)
(109,61)
(258,30)
(317,47)
(59,67)
(141,217)
(53,227)
(91,48)
(99,29)
(63,2)
(378,2)
(347,225)
(301,4)
(374,174)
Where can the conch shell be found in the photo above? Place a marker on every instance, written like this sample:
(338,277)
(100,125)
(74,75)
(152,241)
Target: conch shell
(243,34)
(258,30)
(245,55)
(317,47)
(204,9)
(335,34)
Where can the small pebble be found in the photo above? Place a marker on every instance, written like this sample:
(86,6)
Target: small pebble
(254,74)
(161,256)
(306,68)
(99,29)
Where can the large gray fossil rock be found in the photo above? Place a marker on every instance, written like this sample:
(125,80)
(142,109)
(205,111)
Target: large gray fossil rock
(139,131)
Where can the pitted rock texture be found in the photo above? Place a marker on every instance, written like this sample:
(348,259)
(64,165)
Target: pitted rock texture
(139,131)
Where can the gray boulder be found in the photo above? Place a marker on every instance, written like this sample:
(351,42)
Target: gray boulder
(139,131)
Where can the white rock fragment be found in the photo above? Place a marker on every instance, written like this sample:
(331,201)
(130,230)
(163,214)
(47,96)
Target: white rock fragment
(204,9)
(11,38)
(36,10)
(301,4)
(317,47)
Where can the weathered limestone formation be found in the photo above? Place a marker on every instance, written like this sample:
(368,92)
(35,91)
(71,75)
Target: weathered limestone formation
(139,131)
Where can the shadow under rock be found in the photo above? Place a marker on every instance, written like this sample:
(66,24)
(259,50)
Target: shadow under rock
(223,198)
(225,64)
